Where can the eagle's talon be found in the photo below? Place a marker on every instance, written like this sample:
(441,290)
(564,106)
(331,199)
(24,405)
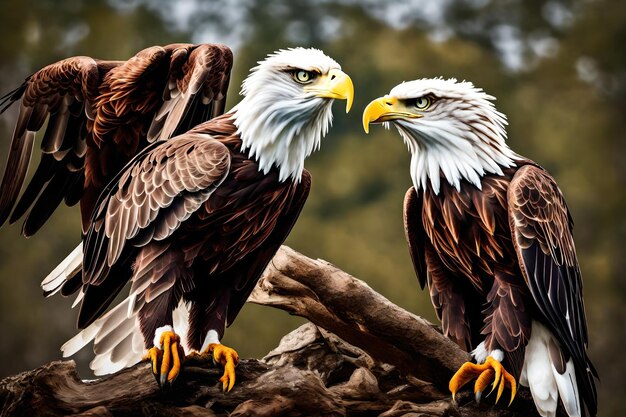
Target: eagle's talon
(491,370)
(482,382)
(166,362)
(229,358)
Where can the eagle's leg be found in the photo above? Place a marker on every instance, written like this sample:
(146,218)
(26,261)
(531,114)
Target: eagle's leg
(229,358)
(165,356)
(218,353)
(489,371)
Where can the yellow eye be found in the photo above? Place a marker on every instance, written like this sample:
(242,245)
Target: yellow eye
(422,103)
(303,76)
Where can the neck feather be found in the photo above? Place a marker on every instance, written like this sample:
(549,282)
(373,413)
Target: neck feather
(282,134)
(455,153)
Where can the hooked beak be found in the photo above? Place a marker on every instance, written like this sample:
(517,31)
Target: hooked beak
(336,85)
(384,109)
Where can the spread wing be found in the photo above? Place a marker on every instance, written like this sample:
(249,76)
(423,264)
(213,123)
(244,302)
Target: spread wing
(160,189)
(541,228)
(114,109)
(63,93)
(414,232)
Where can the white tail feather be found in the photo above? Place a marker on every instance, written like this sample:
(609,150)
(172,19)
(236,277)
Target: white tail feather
(568,389)
(117,337)
(66,269)
(541,376)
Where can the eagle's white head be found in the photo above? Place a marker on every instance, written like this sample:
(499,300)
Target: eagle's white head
(452,130)
(286,109)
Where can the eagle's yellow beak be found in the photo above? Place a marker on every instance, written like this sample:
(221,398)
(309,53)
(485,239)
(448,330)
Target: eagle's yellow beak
(336,85)
(384,109)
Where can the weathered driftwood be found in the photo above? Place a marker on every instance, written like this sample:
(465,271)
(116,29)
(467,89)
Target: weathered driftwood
(360,356)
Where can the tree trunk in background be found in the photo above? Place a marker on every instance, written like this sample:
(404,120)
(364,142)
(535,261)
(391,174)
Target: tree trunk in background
(361,355)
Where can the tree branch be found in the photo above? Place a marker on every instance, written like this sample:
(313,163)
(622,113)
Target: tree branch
(361,355)
(346,306)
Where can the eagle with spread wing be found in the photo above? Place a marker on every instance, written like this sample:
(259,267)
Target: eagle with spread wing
(192,221)
(490,233)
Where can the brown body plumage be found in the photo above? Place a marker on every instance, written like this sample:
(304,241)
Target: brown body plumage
(214,257)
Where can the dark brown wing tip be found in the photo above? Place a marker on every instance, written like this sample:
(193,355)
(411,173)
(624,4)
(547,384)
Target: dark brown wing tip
(414,233)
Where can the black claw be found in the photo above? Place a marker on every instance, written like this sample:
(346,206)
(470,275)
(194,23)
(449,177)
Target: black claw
(156,378)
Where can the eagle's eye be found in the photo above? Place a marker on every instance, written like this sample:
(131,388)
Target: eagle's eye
(303,77)
(422,103)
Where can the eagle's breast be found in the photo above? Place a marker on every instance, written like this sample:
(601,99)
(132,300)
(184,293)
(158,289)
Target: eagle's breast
(241,213)
(469,229)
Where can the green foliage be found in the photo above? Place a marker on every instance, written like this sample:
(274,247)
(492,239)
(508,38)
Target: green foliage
(566,107)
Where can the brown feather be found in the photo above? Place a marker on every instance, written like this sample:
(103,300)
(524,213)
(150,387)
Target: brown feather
(472,267)
(99,116)
(541,228)
(499,257)
(219,219)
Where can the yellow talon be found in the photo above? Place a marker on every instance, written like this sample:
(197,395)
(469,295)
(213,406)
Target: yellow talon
(166,363)
(229,358)
(491,370)
(154,355)
(482,381)
(176,365)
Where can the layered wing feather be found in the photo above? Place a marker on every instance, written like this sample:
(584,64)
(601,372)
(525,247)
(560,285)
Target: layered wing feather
(541,228)
(414,232)
(101,114)
(63,93)
(147,202)
(195,92)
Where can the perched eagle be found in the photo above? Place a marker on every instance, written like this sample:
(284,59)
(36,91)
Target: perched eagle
(491,234)
(100,114)
(193,221)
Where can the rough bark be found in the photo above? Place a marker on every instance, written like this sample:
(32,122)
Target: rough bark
(361,355)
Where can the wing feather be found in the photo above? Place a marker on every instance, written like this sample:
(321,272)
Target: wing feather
(414,232)
(113,108)
(541,228)
(115,232)
(198,80)
(51,91)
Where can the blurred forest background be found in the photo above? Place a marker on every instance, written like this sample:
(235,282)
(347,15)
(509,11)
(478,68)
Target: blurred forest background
(558,68)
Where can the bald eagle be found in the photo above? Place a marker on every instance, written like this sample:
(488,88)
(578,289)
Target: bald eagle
(490,233)
(193,221)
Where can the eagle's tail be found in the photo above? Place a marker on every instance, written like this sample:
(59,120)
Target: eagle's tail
(118,341)
(64,272)
(548,375)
